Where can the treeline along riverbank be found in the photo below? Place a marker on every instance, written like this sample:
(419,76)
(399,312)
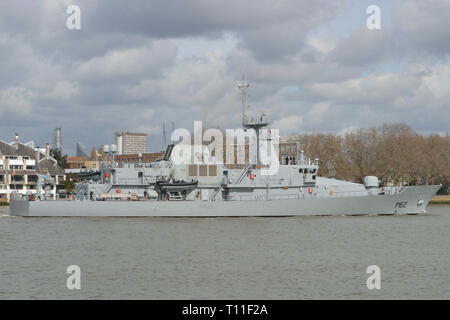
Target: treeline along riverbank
(393,152)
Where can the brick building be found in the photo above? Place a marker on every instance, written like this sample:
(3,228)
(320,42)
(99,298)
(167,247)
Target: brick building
(134,158)
(81,163)
(131,143)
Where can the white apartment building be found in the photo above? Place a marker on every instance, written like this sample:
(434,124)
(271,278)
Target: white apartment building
(19,166)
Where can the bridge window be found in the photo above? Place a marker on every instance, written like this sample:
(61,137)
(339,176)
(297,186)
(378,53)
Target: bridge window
(193,172)
(213,171)
(203,170)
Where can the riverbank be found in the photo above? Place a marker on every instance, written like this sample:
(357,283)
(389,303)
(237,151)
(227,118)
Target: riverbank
(440,200)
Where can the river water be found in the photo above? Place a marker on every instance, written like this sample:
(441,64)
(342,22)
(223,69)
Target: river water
(226,258)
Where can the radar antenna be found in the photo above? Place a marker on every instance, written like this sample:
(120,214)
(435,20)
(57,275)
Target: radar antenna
(243,86)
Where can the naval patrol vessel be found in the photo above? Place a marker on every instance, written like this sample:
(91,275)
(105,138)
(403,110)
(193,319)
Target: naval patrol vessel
(209,187)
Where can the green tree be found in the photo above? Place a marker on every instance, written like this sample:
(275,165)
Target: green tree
(69,182)
(68,185)
(61,159)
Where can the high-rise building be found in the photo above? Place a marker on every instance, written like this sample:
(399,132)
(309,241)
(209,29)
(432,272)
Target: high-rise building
(131,143)
(57,139)
(82,151)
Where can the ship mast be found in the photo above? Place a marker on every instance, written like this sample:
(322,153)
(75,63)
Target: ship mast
(243,86)
(252,122)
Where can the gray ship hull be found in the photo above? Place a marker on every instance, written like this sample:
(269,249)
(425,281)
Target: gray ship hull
(413,200)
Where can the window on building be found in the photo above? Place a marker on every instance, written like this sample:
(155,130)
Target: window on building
(17,178)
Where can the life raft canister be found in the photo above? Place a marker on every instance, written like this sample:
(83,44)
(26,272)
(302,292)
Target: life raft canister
(118,191)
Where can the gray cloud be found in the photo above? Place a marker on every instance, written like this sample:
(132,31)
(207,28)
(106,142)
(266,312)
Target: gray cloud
(124,70)
(419,30)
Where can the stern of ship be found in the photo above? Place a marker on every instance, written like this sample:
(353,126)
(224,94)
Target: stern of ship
(19,207)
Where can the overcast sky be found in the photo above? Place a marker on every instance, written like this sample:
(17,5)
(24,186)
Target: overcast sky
(313,66)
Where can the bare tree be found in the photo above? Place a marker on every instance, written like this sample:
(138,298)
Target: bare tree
(393,152)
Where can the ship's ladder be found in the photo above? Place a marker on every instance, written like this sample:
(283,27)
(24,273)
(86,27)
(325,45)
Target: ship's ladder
(243,173)
(214,194)
(108,189)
